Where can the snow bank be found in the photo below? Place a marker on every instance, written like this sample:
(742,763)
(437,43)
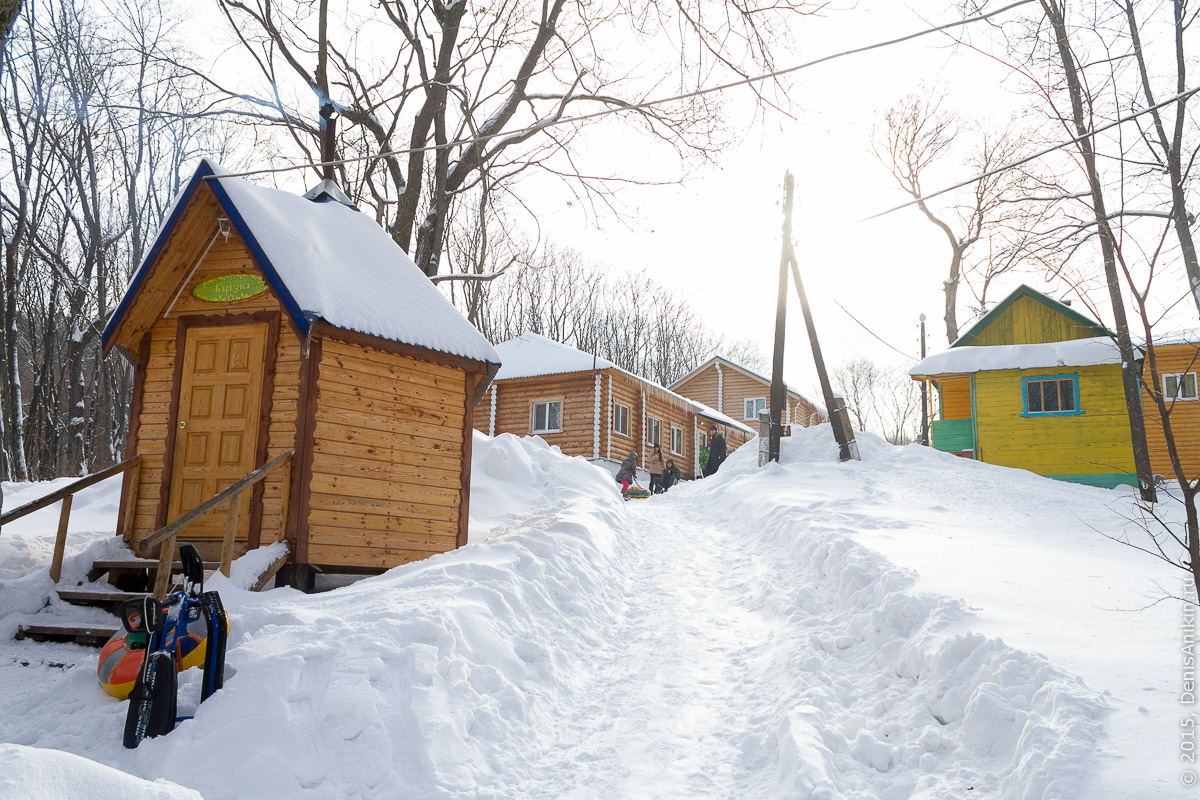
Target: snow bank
(418,682)
(32,773)
(930,711)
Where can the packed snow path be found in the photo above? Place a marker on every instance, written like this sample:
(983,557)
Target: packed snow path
(672,691)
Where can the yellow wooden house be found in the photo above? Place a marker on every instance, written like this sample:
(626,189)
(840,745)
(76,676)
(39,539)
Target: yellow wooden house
(264,323)
(1034,384)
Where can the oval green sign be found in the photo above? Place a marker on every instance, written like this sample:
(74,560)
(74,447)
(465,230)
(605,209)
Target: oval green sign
(230,288)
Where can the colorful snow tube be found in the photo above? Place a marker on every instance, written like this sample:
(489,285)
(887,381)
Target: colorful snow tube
(119,663)
(637,493)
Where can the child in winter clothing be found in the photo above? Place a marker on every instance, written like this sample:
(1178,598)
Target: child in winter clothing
(626,473)
(670,476)
(655,466)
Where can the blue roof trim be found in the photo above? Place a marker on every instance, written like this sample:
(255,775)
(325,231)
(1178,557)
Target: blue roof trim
(301,319)
(204,170)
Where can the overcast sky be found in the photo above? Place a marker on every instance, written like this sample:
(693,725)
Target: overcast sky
(718,237)
(715,239)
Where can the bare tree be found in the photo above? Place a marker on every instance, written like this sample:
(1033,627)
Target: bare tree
(9,9)
(94,128)
(919,134)
(627,319)
(478,99)
(880,399)
(858,381)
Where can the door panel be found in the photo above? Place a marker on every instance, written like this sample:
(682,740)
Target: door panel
(216,433)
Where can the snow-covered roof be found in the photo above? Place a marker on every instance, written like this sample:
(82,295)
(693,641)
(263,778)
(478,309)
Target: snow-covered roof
(531,355)
(328,261)
(979,358)
(717,416)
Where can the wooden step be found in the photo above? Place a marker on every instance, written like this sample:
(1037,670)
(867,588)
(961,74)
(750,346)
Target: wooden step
(91,597)
(132,565)
(93,635)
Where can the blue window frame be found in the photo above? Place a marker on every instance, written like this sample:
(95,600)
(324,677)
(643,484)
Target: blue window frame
(1050,396)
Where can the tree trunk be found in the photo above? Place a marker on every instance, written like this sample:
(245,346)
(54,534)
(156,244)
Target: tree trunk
(1129,376)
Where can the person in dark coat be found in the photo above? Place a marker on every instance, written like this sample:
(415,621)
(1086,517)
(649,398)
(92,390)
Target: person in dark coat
(670,476)
(716,451)
(626,472)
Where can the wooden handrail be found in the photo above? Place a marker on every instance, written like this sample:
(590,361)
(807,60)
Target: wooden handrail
(221,497)
(69,489)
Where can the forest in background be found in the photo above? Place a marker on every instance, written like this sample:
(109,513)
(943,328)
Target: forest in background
(105,111)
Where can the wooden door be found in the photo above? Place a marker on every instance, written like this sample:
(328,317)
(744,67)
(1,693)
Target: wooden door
(216,434)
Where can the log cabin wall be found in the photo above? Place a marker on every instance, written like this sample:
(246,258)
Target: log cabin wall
(702,387)
(163,344)
(671,412)
(515,398)
(388,452)
(735,387)
(1173,359)
(621,388)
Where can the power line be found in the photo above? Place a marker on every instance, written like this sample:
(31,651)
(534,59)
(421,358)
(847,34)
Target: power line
(647,104)
(1035,156)
(909,356)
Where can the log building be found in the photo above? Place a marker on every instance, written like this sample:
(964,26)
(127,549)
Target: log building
(589,407)
(261,322)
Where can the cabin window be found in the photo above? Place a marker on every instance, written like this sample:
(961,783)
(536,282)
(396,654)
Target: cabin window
(547,417)
(653,431)
(621,419)
(677,440)
(1179,386)
(753,406)
(1058,394)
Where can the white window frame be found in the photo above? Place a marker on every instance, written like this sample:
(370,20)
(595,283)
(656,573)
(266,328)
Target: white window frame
(620,419)
(1175,394)
(654,431)
(677,436)
(533,425)
(760,404)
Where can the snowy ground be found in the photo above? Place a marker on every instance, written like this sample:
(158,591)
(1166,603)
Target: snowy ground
(912,626)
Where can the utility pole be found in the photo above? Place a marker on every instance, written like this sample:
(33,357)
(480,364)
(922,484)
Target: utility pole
(778,388)
(839,415)
(924,393)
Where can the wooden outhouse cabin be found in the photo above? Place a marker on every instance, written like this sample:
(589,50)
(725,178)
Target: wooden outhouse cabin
(1036,385)
(263,322)
(588,407)
(741,393)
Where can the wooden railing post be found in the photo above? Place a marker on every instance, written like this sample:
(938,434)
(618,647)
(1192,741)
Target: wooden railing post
(135,480)
(231,523)
(166,560)
(286,503)
(60,543)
